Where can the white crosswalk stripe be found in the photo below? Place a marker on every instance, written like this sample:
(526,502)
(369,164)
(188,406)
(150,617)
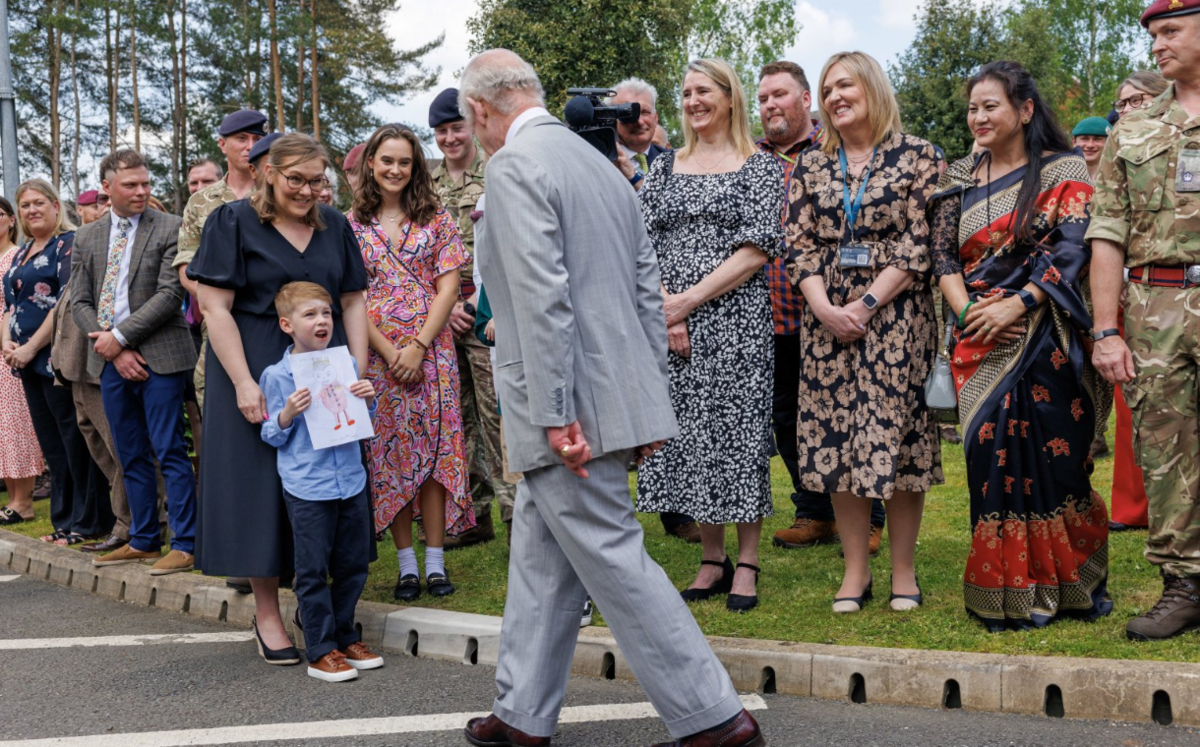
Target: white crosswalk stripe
(8,578)
(22,644)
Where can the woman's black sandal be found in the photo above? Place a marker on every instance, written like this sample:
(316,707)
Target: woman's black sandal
(720,587)
(741,602)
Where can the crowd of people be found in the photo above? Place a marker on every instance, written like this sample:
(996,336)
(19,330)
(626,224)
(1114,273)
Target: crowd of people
(791,281)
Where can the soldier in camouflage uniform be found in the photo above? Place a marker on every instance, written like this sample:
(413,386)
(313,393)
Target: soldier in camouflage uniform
(1146,218)
(481,418)
(238,133)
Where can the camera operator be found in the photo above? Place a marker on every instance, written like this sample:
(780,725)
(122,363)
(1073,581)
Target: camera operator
(635,140)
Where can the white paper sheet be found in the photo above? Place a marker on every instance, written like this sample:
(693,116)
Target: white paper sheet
(335,416)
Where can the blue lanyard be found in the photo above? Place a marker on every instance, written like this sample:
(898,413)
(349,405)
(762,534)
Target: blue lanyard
(851,209)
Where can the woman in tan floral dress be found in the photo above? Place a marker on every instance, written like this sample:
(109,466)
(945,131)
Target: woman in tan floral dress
(859,251)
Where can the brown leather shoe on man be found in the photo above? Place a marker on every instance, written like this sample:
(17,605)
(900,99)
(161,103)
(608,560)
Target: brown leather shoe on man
(876,540)
(108,544)
(492,732)
(123,555)
(688,532)
(807,533)
(742,731)
(483,531)
(1178,611)
(176,561)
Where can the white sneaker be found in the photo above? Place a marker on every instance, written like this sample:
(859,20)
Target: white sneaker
(586,620)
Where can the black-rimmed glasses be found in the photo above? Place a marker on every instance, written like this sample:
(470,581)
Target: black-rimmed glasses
(1136,101)
(297,182)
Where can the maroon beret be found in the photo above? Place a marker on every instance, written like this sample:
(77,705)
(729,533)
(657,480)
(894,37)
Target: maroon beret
(87,198)
(1169,9)
(351,159)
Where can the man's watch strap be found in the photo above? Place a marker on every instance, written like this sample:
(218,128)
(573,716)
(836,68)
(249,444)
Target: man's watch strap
(1110,332)
(637,177)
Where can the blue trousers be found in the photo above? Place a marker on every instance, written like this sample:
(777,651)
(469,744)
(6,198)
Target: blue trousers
(146,418)
(333,540)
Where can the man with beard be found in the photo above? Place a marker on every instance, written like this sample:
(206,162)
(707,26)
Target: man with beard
(784,102)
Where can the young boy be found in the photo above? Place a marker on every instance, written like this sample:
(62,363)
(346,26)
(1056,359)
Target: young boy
(326,496)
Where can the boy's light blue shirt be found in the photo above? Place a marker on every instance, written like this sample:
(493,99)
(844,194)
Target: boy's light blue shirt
(309,474)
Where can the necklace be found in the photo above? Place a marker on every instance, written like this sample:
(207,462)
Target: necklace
(708,169)
(393,218)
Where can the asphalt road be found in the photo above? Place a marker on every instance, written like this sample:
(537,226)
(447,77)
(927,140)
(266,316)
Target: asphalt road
(148,692)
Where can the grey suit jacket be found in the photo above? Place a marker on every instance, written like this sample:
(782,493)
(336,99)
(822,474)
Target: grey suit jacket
(156,327)
(574,287)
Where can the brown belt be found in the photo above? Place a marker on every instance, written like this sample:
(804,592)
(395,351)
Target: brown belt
(1167,276)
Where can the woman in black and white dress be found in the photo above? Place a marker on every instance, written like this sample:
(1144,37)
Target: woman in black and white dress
(714,213)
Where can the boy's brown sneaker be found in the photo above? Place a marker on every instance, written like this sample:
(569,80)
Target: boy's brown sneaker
(332,667)
(360,657)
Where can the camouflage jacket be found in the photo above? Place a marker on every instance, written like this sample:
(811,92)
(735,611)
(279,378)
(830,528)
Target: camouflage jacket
(1136,205)
(460,198)
(199,207)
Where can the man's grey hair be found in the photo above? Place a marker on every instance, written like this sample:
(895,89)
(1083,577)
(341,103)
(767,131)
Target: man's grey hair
(501,78)
(637,86)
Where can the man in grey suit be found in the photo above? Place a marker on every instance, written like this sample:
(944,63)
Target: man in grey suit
(581,373)
(128,300)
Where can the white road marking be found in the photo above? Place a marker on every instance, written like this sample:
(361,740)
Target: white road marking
(22,644)
(343,728)
(8,578)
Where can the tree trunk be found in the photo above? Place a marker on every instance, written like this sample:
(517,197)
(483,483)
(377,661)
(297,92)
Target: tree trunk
(137,108)
(300,78)
(276,73)
(54,39)
(316,110)
(78,108)
(109,48)
(183,109)
(116,81)
(176,111)
(246,47)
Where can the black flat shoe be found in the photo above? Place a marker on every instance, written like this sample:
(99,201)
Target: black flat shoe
(918,598)
(720,587)
(860,601)
(438,584)
(741,602)
(274,656)
(408,588)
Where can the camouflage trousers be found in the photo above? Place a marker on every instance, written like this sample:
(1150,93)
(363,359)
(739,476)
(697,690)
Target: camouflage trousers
(1162,328)
(481,428)
(198,374)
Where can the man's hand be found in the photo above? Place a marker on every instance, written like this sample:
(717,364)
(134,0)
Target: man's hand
(363,389)
(625,164)
(460,320)
(490,330)
(129,364)
(678,341)
(1112,359)
(571,447)
(106,344)
(643,452)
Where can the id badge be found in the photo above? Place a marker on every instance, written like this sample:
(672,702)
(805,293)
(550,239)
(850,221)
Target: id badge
(1187,173)
(854,255)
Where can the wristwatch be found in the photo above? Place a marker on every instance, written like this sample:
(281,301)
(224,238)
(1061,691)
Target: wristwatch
(637,177)
(1027,298)
(1111,332)
(870,301)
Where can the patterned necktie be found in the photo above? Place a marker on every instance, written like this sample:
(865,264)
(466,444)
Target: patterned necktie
(107,306)
(642,163)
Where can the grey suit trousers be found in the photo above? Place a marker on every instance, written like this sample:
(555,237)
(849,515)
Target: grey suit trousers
(575,537)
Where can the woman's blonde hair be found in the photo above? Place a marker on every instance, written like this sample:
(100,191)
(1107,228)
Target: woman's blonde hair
(46,190)
(883,112)
(722,74)
(291,149)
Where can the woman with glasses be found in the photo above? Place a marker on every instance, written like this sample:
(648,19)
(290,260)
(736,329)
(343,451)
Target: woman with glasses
(1129,506)
(1138,90)
(20,456)
(249,250)
(412,252)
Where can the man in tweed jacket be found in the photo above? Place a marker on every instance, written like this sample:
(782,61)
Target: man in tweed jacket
(128,300)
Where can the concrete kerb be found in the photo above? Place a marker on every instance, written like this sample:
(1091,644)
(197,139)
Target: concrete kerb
(1138,691)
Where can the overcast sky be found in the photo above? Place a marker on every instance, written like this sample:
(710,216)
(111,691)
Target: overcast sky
(882,28)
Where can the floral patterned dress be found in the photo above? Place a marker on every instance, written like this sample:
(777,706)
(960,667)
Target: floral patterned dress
(863,425)
(31,291)
(1029,408)
(20,455)
(418,427)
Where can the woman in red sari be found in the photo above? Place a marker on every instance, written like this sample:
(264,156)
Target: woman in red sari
(1010,258)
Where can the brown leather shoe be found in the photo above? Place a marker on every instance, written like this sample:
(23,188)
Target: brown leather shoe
(110,543)
(176,561)
(807,533)
(1178,611)
(742,731)
(492,732)
(876,540)
(688,532)
(360,657)
(482,532)
(126,554)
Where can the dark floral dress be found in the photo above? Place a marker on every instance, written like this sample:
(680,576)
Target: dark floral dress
(1029,408)
(863,426)
(31,291)
(719,468)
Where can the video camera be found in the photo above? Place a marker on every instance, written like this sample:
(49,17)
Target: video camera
(595,122)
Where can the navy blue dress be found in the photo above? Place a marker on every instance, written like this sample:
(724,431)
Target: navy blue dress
(31,290)
(242,527)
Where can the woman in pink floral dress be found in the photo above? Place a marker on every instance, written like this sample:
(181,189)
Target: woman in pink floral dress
(412,251)
(20,457)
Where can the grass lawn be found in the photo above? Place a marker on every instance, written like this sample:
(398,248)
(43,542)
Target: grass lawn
(797,586)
